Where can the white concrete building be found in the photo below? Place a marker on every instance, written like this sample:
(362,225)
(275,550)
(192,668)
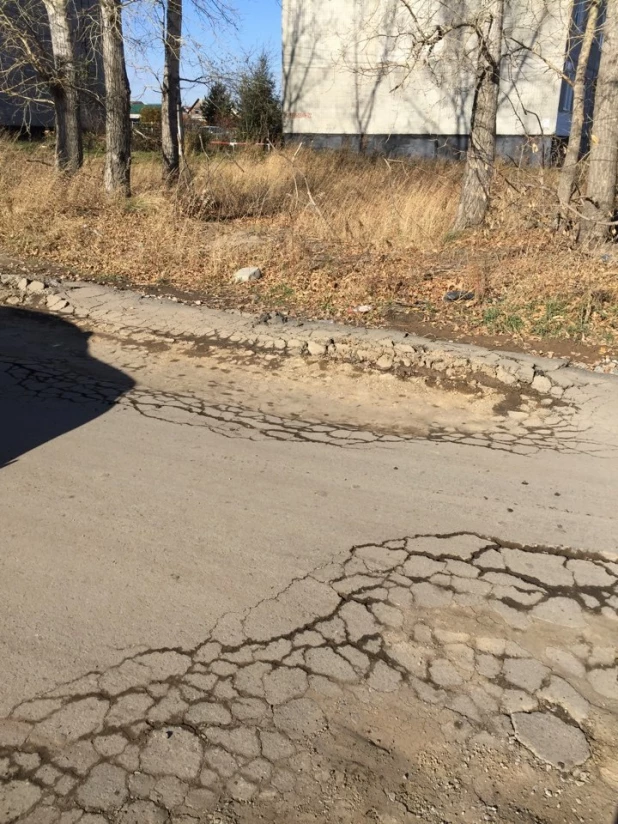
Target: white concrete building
(355,74)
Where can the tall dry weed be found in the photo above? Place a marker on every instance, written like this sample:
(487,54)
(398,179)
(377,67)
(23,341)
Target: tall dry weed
(326,197)
(331,230)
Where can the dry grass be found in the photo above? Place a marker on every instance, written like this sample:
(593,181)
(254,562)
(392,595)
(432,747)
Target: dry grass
(331,231)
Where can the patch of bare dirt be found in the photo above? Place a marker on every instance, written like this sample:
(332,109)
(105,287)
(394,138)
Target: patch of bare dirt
(413,319)
(403,762)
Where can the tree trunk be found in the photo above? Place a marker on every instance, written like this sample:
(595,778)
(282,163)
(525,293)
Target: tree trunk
(568,175)
(117,176)
(480,160)
(63,88)
(603,168)
(170,100)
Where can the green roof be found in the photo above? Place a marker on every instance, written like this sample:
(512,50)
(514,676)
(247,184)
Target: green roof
(137,108)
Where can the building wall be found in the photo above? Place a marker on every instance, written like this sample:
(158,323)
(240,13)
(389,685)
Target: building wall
(528,150)
(19,114)
(25,106)
(565,108)
(20,92)
(351,67)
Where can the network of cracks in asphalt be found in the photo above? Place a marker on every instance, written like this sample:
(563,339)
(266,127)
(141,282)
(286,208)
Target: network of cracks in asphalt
(170,733)
(520,432)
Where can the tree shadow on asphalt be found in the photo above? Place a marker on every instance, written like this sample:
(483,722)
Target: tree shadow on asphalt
(49,383)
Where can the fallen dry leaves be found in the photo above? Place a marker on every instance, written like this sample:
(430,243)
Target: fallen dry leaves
(332,232)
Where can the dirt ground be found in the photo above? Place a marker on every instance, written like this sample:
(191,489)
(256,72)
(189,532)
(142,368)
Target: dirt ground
(358,239)
(403,762)
(408,319)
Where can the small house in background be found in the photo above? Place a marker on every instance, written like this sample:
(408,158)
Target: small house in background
(192,115)
(146,115)
(136,109)
(353,76)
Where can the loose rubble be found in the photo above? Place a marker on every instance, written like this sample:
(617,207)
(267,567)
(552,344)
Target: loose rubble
(386,350)
(247,275)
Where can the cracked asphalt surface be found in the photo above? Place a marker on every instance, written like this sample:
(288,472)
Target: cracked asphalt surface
(238,589)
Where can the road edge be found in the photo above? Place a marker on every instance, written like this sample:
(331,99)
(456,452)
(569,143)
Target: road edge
(386,350)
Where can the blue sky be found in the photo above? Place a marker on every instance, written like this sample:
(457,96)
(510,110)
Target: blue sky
(258,26)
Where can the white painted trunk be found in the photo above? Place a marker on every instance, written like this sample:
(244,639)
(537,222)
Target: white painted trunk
(63,88)
(603,169)
(480,161)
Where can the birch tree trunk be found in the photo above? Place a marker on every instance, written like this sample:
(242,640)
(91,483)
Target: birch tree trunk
(603,169)
(117,175)
(480,160)
(63,88)
(170,100)
(568,175)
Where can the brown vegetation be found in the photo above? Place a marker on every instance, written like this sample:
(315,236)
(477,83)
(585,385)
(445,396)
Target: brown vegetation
(331,232)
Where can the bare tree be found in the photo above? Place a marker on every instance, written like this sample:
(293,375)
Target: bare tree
(476,53)
(117,174)
(170,91)
(26,64)
(161,21)
(480,160)
(581,42)
(64,89)
(40,67)
(603,167)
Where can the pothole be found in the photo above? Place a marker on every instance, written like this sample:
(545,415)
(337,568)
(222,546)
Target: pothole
(478,633)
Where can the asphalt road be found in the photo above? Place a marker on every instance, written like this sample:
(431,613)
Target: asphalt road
(145,495)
